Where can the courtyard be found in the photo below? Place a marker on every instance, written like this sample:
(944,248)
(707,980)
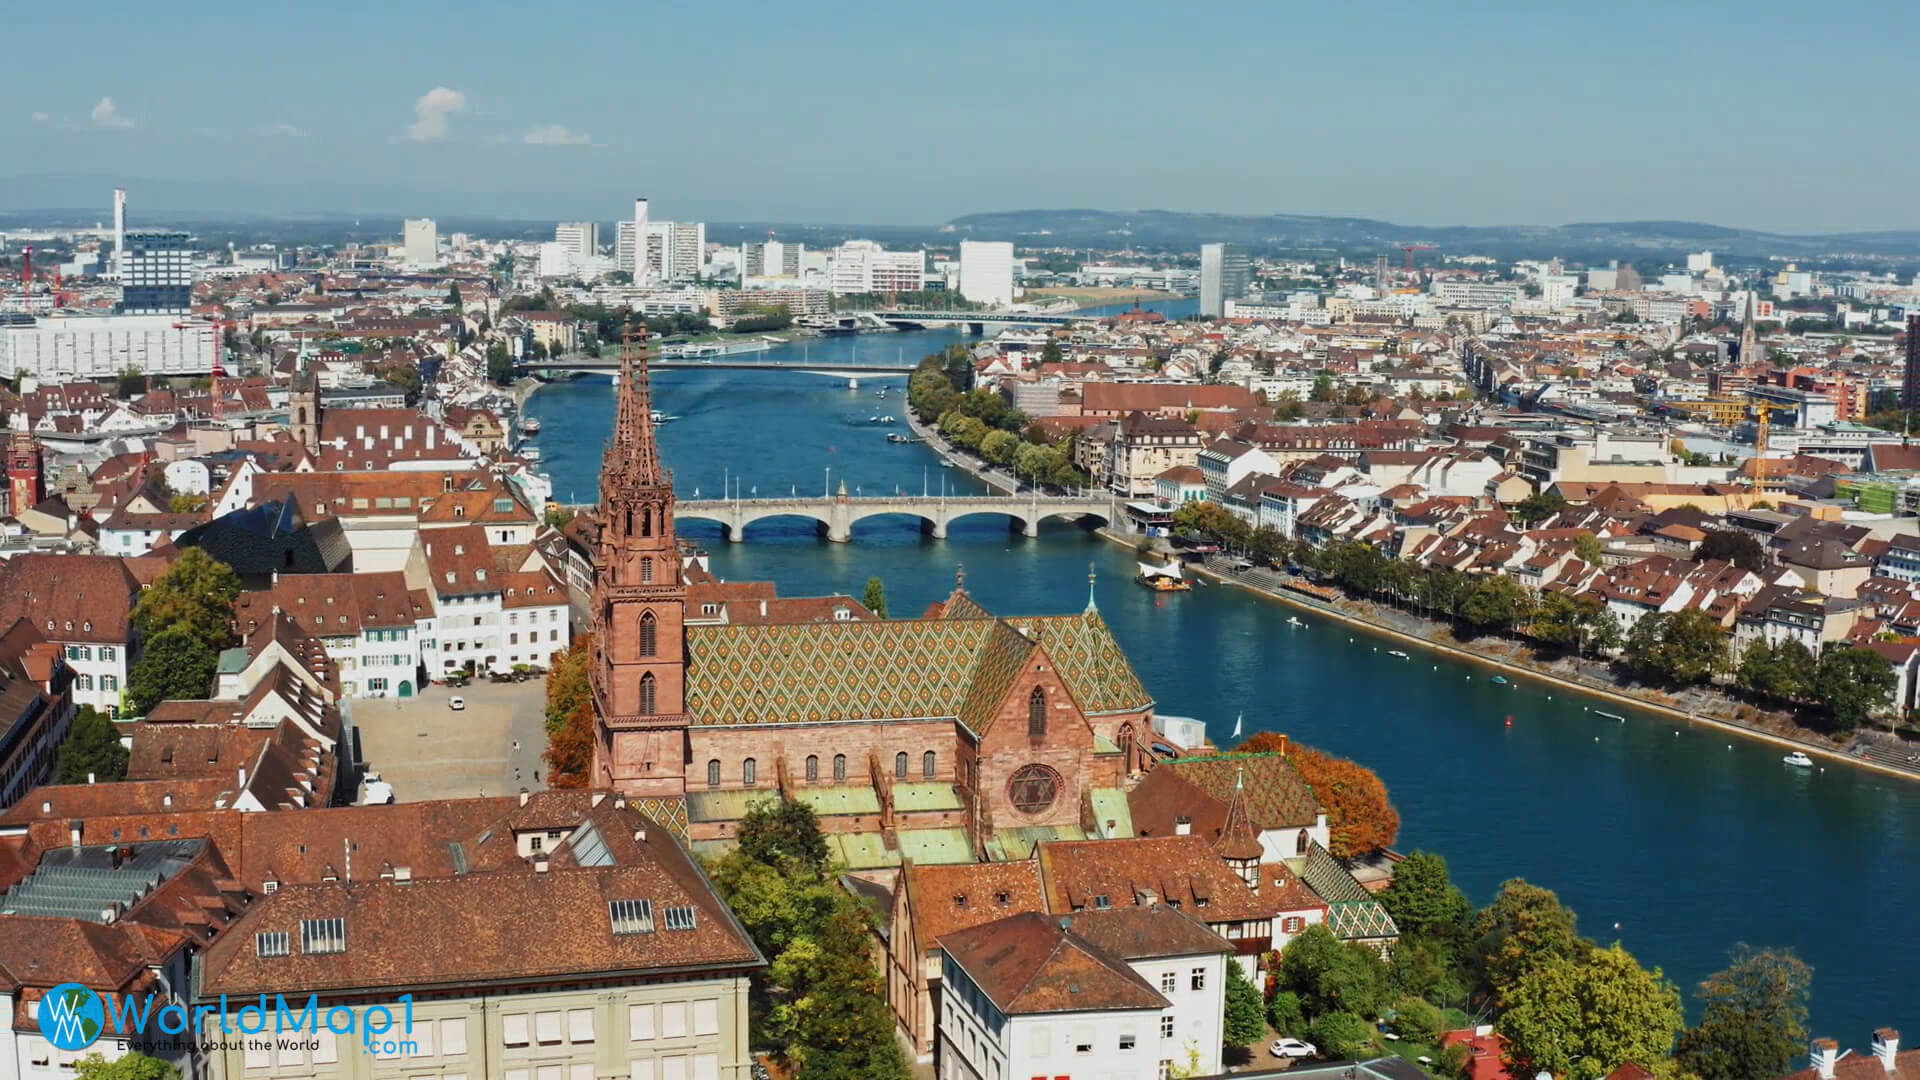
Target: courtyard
(427,750)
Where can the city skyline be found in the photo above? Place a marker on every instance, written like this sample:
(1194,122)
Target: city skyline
(1515,118)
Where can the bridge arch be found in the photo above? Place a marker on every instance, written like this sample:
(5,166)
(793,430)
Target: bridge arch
(1105,515)
(747,519)
(927,522)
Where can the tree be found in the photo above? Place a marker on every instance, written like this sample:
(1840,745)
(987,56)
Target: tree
(1525,927)
(558,517)
(1589,548)
(1360,817)
(1244,1021)
(568,686)
(453,295)
(1754,1019)
(184,503)
(999,446)
(1423,900)
(1573,623)
(1785,671)
(1681,648)
(1414,1018)
(175,665)
(1537,508)
(1584,1016)
(196,594)
(1263,742)
(1851,683)
(1286,1015)
(1496,603)
(1322,388)
(777,829)
(499,363)
(91,752)
(1341,1035)
(1331,975)
(875,597)
(1288,407)
(132,1065)
(131,383)
(1050,352)
(569,755)
(1736,546)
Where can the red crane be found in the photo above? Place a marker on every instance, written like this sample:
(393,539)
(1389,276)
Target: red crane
(1410,249)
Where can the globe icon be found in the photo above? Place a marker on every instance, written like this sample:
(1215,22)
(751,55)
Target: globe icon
(71,1016)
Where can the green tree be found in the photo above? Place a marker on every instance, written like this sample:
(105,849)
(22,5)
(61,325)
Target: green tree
(875,597)
(1285,1013)
(558,517)
(1330,975)
(133,1065)
(1525,927)
(1288,407)
(1589,548)
(453,296)
(91,750)
(1680,648)
(1496,604)
(195,594)
(1341,1034)
(1736,546)
(776,829)
(1784,671)
(1581,1017)
(1754,1017)
(1050,352)
(175,665)
(999,446)
(1851,683)
(1537,508)
(131,383)
(1423,900)
(499,364)
(1322,388)
(1244,1022)
(1570,622)
(184,503)
(1418,1020)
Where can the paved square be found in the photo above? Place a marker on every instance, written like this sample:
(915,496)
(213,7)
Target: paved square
(428,751)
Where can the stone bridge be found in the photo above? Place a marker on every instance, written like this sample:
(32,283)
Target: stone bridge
(836,515)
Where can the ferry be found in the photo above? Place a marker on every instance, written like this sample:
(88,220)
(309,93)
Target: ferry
(1798,760)
(896,437)
(1163,577)
(659,417)
(530,426)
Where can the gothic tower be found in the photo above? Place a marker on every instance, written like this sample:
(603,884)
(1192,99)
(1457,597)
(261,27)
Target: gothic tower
(303,404)
(25,487)
(639,601)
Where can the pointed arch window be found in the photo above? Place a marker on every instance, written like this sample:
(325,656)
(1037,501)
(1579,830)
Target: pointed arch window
(1037,714)
(646,521)
(646,570)
(649,634)
(1300,843)
(646,694)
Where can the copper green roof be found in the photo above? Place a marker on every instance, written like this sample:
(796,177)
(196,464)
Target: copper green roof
(936,847)
(1014,844)
(1276,796)
(931,795)
(897,669)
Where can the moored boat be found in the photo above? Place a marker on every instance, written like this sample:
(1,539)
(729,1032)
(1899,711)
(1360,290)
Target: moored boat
(1798,760)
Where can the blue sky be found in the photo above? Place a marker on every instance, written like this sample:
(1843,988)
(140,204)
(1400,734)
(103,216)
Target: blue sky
(1770,115)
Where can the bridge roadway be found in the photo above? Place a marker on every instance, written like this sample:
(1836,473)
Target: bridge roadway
(979,320)
(740,362)
(836,516)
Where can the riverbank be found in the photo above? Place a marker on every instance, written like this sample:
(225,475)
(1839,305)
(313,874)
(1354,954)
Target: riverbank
(1515,666)
(935,442)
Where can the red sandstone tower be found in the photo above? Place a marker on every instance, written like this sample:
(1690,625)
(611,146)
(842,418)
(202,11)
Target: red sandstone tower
(25,486)
(639,601)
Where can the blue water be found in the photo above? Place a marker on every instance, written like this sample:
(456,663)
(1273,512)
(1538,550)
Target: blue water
(1688,843)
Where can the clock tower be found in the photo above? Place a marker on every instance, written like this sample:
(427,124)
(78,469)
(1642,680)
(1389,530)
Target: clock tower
(25,486)
(639,605)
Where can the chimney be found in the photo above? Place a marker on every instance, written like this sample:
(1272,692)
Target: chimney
(1886,1047)
(523,796)
(243,779)
(1826,1057)
(640,835)
(1183,826)
(540,862)
(90,778)
(73,832)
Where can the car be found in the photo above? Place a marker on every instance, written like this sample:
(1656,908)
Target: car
(1292,1048)
(456,703)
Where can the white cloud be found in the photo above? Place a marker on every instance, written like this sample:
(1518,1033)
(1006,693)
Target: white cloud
(41,118)
(431,111)
(555,135)
(107,115)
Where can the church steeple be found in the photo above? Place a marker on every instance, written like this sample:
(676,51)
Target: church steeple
(639,604)
(1239,844)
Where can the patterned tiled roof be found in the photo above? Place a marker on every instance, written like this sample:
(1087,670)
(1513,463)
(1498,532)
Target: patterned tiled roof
(1276,795)
(1352,912)
(897,669)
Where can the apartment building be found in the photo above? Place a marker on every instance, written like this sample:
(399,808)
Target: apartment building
(862,266)
(84,604)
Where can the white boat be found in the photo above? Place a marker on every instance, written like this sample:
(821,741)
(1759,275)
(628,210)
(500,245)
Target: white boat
(1798,760)
(1398,653)
(529,453)
(1291,621)
(659,417)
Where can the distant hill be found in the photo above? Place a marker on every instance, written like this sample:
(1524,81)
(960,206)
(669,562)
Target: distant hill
(1276,233)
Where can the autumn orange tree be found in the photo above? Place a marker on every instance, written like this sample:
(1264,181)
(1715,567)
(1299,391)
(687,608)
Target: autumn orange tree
(567,682)
(570,732)
(1360,817)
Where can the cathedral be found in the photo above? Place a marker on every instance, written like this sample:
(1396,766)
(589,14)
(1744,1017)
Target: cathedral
(956,737)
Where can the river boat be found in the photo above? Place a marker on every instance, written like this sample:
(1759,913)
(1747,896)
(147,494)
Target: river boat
(1163,577)
(946,464)
(530,426)
(1798,760)
(1159,583)
(1498,680)
(662,418)
(896,437)
(1295,622)
(1398,653)
(529,453)
(1609,715)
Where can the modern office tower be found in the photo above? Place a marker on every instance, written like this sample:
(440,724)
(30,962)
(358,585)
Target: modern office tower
(986,271)
(771,258)
(862,266)
(157,273)
(1910,386)
(119,234)
(673,250)
(1225,273)
(421,242)
(580,238)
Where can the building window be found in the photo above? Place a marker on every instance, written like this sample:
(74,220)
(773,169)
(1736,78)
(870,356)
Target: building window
(646,570)
(1166,1027)
(649,634)
(813,767)
(900,765)
(1300,843)
(926,765)
(1169,980)
(1292,924)
(713,773)
(1126,1040)
(839,767)
(1199,981)
(1037,714)
(646,694)
(747,770)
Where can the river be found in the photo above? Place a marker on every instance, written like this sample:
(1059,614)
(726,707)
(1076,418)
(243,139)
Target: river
(1685,841)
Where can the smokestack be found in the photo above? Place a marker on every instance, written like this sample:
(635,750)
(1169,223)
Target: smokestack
(119,234)
(1826,1057)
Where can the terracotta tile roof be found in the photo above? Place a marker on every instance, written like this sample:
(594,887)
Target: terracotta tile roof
(1029,964)
(459,560)
(1183,871)
(1276,796)
(1145,933)
(69,598)
(333,605)
(531,588)
(946,899)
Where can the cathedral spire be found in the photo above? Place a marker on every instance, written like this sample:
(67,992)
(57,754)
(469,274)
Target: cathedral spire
(631,455)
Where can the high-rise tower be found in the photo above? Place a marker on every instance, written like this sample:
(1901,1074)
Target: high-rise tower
(639,605)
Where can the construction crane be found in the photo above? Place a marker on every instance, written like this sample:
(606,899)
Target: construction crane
(1765,413)
(1409,249)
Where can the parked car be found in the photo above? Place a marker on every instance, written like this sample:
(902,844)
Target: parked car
(1292,1048)
(458,680)
(503,677)
(456,703)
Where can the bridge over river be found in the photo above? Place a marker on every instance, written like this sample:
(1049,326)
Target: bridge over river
(836,515)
